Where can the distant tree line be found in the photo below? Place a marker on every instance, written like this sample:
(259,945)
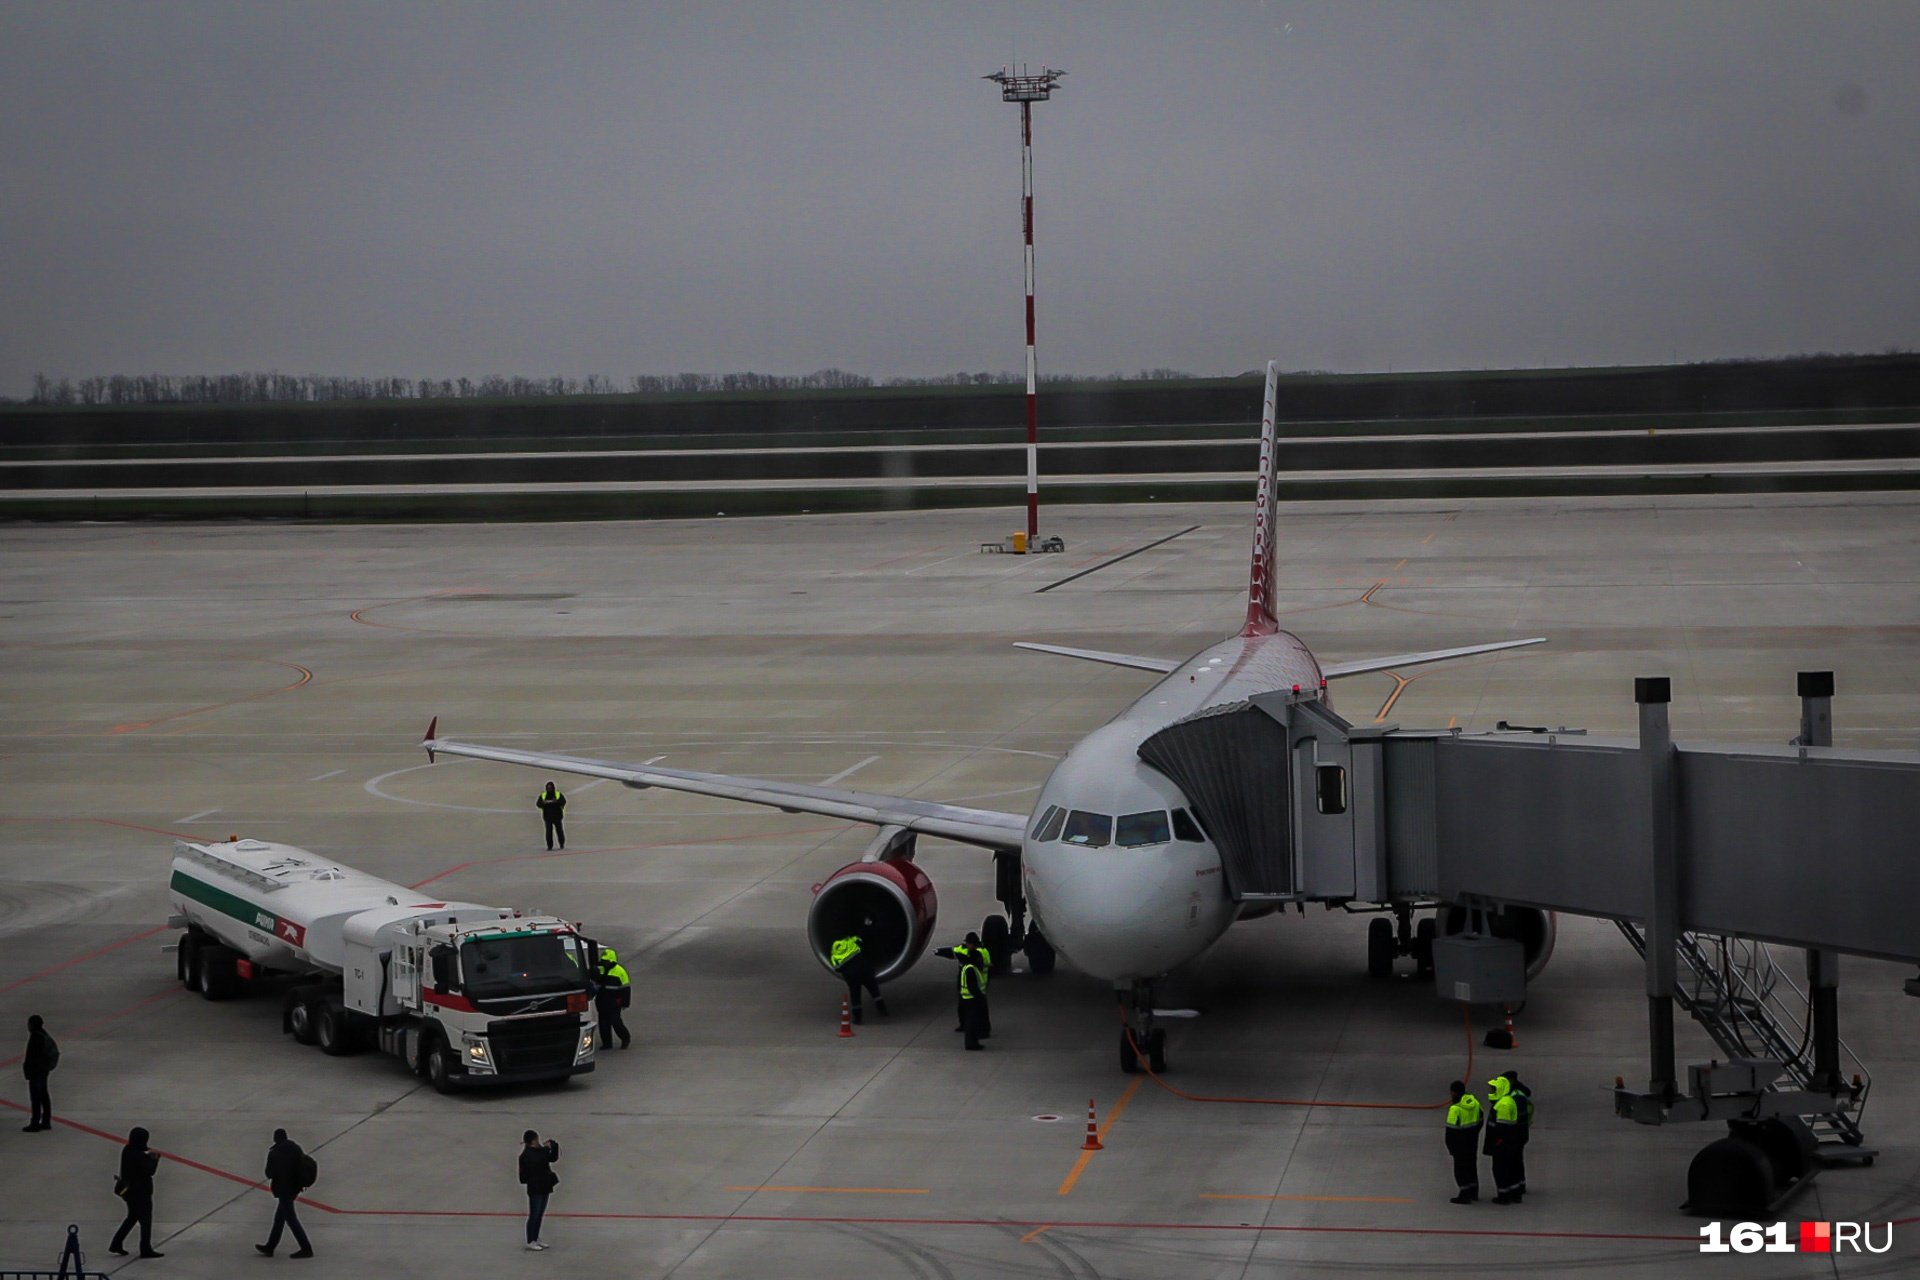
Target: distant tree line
(283,388)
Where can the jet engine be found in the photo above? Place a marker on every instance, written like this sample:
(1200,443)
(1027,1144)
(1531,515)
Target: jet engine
(889,902)
(1533,928)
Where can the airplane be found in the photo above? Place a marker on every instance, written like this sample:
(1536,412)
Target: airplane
(1117,868)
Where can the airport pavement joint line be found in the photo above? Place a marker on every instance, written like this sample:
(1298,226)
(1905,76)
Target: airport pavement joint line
(1127,555)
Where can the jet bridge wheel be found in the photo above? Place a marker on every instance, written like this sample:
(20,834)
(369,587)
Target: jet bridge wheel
(1380,948)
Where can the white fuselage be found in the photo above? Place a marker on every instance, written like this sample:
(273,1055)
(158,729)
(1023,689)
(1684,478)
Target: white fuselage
(1145,895)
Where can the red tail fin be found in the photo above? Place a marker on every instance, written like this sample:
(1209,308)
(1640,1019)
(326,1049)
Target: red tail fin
(1260,615)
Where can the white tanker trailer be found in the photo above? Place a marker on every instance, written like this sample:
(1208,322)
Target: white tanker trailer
(463,994)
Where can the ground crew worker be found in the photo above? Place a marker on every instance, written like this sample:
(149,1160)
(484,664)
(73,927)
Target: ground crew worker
(963,952)
(1503,1141)
(41,1057)
(1463,1142)
(1523,1098)
(850,960)
(973,996)
(612,993)
(553,810)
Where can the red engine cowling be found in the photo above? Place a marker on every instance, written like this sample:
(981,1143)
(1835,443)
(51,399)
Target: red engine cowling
(890,904)
(1534,928)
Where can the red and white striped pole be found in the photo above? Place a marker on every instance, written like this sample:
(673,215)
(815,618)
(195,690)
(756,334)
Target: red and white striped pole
(1026,89)
(1033,401)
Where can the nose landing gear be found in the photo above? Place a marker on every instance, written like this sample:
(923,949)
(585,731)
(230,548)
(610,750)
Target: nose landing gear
(1140,1040)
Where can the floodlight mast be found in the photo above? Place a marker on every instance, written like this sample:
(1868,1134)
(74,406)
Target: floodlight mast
(1027,89)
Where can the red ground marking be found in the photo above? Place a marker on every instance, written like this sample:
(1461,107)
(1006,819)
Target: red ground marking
(305,676)
(79,959)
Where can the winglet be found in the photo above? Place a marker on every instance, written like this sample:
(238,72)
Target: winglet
(428,741)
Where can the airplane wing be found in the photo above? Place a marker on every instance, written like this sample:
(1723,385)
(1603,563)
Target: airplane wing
(988,828)
(1334,670)
(1162,665)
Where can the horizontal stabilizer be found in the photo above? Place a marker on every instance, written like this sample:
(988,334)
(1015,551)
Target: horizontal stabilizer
(1162,665)
(1334,670)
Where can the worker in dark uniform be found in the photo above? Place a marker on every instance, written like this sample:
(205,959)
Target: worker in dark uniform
(41,1058)
(964,952)
(612,992)
(973,996)
(1503,1141)
(553,811)
(285,1181)
(1463,1142)
(1523,1100)
(135,1184)
(850,960)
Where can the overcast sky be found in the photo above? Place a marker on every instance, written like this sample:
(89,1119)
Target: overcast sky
(540,188)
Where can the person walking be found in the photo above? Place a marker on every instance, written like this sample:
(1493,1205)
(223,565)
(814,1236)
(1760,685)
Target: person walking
(1503,1141)
(611,993)
(851,961)
(135,1184)
(286,1178)
(1463,1142)
(536,1171)
(42,1056)
(553,811)
(1523,1101)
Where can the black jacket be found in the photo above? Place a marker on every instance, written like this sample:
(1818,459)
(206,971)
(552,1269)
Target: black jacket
(283,1168)
(137,1167)
(552,809)
(39,1059)
(536,1168)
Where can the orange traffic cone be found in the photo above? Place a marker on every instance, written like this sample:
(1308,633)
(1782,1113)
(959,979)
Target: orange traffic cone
(1503,1039)
(1093,1132)
(846,1020)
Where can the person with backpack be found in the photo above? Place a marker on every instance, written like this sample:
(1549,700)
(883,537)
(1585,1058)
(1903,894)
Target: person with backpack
(289,1172)
(43,1055)
(138,1164)
(536,1171)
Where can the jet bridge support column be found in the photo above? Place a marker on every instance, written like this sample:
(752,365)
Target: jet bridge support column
(1823,967)
(1663,908)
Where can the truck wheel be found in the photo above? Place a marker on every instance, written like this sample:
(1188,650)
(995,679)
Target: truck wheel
(300,1018)
(331,1030)
(186,963)
(213,966)
(440,1067)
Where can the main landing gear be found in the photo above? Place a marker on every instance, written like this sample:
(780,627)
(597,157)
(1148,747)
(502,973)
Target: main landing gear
(1140,1041)
(1004,935)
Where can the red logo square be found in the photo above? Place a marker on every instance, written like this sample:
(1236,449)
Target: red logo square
(1816,1237)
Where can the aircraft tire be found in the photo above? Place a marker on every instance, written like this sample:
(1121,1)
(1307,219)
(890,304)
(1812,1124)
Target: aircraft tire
(996,937)
(1040,954)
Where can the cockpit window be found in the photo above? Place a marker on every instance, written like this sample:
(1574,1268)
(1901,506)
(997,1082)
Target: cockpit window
(1089,830)
(1050,828)
(1137,829)
(1185,828)
(1040,820)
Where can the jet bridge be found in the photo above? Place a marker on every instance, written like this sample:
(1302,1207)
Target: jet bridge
(1705,854)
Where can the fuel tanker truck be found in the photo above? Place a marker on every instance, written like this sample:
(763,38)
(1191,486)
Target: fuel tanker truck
(463,994)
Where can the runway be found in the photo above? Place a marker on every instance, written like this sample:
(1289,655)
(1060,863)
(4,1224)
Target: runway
(273,680)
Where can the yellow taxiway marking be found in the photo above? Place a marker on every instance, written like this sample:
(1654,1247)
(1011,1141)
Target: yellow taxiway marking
(1403,560)
(1028,1238)
(1219,1195)
(846,1191)
(1080,1165)
(1424,541)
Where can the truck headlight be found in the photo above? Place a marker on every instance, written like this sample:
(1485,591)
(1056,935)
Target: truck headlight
(477,1054)
(586,1046)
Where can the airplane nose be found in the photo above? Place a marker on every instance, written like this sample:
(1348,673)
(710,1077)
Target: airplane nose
(1123,914)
